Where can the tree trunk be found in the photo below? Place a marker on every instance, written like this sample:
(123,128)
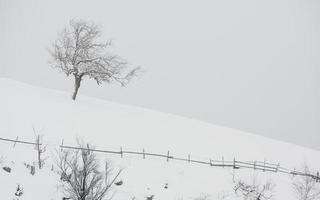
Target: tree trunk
(77,81)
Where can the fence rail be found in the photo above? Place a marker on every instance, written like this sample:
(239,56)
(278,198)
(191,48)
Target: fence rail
(235,164)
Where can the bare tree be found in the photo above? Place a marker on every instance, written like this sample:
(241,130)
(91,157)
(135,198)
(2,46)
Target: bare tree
(305,187)
(79,52)
(80,176)
(254,190)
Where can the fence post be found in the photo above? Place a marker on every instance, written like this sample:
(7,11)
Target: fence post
(211,164)
(234,163)
(61,145)
(222,161)
(254,165)
(36,144)
(39,151)
(168,156)
(121,152)
(143,154)
(318,178)
(294,171)
(189,158)
(15,141)
(88,147)
(277,168)
(264,165)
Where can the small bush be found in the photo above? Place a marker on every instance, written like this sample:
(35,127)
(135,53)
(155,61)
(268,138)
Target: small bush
(7,169)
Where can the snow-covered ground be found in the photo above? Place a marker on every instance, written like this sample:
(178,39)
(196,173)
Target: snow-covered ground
(109,126)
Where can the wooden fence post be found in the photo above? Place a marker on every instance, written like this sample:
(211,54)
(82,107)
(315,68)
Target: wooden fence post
(143,154)
(189,158)
(88,147)
(234,163)
(254,165)
(121,152)
(277,168)
(318,178)
(222,161)
(211,164)
(37,142)
(168,156)
(61,145)
(38,151)
(15,141)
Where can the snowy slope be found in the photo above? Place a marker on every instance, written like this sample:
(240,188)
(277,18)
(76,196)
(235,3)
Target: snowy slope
(110,126)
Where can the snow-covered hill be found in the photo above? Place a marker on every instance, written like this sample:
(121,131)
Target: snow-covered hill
(110,126)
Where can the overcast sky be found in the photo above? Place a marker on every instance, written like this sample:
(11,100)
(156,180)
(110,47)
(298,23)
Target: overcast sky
(250,65)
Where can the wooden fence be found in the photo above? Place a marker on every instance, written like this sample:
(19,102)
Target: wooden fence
(235,164)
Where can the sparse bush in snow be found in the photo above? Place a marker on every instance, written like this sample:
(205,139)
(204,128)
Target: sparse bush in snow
(150,197)
(202,197)
(81,177)
(7,169)
(118,183)
(305,187)
(31,168)
(254,190)
(78,52)
(19,191)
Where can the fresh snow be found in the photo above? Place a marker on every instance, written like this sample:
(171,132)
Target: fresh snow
(109,126)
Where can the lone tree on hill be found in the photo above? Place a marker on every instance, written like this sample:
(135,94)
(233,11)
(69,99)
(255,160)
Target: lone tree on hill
(78,51)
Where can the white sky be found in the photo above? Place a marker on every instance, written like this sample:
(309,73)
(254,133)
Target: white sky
(251,65)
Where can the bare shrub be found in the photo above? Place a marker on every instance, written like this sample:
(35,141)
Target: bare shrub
(81,177)
(202,197)
(31,168)
(254,190)
(150,197)
(7,169)
(306,187)
(19,191)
